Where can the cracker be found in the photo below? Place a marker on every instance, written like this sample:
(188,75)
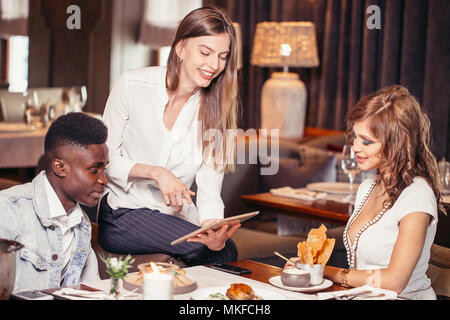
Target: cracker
(326,251)
(305,253)
(316,239)
(317,248)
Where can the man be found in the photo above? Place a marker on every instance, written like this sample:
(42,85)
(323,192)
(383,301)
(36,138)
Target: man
(45,216)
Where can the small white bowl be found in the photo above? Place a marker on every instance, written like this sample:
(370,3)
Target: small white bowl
(316,271)
(293,277)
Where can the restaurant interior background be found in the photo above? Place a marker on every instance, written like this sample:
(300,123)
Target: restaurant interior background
(411,47)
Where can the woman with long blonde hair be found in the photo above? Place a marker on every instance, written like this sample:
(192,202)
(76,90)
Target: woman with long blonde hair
(158,119)
(389,235)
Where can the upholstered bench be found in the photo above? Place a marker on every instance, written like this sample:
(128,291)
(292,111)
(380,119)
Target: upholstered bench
(259,245)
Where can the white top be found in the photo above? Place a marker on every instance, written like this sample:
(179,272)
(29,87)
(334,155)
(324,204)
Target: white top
(137,134)
(65,221)
(377,242)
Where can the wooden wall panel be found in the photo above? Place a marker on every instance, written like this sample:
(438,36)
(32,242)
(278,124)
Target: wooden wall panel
(60,56)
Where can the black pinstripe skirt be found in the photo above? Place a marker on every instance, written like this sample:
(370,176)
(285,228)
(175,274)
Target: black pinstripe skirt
(145,231)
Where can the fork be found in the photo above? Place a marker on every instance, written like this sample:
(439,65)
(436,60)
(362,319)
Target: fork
(96,294)
(379,295)
(362,294)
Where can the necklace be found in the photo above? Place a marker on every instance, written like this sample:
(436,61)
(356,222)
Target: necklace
(351,249)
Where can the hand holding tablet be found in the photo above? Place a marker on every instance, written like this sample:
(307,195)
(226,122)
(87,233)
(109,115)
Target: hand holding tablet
(214,226)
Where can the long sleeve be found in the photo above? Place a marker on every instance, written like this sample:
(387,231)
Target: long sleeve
(9,220)
(116,118)
(209,186)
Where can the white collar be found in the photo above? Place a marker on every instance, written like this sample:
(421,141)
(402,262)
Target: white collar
(56,208)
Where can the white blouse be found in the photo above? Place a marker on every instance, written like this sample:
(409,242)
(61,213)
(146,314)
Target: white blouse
(137,134)
(377,242)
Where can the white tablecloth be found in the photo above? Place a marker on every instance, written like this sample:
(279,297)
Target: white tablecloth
(207,277)
(21,149)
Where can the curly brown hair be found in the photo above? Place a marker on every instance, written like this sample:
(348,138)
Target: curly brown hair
(398,122)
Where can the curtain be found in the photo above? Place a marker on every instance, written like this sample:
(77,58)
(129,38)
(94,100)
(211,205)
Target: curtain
(160,20)
(411,48)
(13,17)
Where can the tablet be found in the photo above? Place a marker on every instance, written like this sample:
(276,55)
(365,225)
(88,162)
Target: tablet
(216,225)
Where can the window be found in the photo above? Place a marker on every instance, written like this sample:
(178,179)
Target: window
(18,63)
(14,63)
(164,55)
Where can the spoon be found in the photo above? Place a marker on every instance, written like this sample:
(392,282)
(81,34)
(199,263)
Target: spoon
(298,265)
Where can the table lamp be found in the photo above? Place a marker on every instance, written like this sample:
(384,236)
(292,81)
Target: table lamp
(283,98)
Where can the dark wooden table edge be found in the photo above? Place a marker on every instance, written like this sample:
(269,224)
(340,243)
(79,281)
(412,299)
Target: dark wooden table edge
(293,209)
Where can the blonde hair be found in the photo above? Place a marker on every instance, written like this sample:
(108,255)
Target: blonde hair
(397,120)
(219,101)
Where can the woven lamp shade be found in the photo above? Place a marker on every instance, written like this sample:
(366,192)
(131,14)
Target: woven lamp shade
(270,36)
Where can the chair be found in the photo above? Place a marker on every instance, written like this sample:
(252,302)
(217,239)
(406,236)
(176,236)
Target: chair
(260,245)
(439,271)
(7,183)
(12,106)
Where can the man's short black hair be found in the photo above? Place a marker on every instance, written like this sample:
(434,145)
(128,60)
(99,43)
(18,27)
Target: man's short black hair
(75,129)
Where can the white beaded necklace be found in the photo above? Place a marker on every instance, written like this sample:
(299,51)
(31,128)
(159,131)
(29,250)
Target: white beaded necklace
(351,249)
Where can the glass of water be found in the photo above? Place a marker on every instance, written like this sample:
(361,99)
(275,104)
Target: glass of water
(349,164)
(444,177)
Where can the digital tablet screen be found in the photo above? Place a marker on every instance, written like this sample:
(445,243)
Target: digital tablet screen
(230,220)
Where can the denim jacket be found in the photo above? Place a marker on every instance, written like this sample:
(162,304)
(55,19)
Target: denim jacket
(25,217)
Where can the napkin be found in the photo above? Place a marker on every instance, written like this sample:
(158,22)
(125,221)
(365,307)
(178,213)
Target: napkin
(299,193)
(388,294)
(309,195)
(78,294)
(340,198)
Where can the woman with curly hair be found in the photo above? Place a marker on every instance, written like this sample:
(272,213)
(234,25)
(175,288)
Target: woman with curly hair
(390,233)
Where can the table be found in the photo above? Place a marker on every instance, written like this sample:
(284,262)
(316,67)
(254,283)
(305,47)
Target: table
(323,210)
(208,277)
(21,149)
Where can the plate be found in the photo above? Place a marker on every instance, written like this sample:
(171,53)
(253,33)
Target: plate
(129,283)
(298,193)
(14,127)
(203,294)
(332,187)
(276,281)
